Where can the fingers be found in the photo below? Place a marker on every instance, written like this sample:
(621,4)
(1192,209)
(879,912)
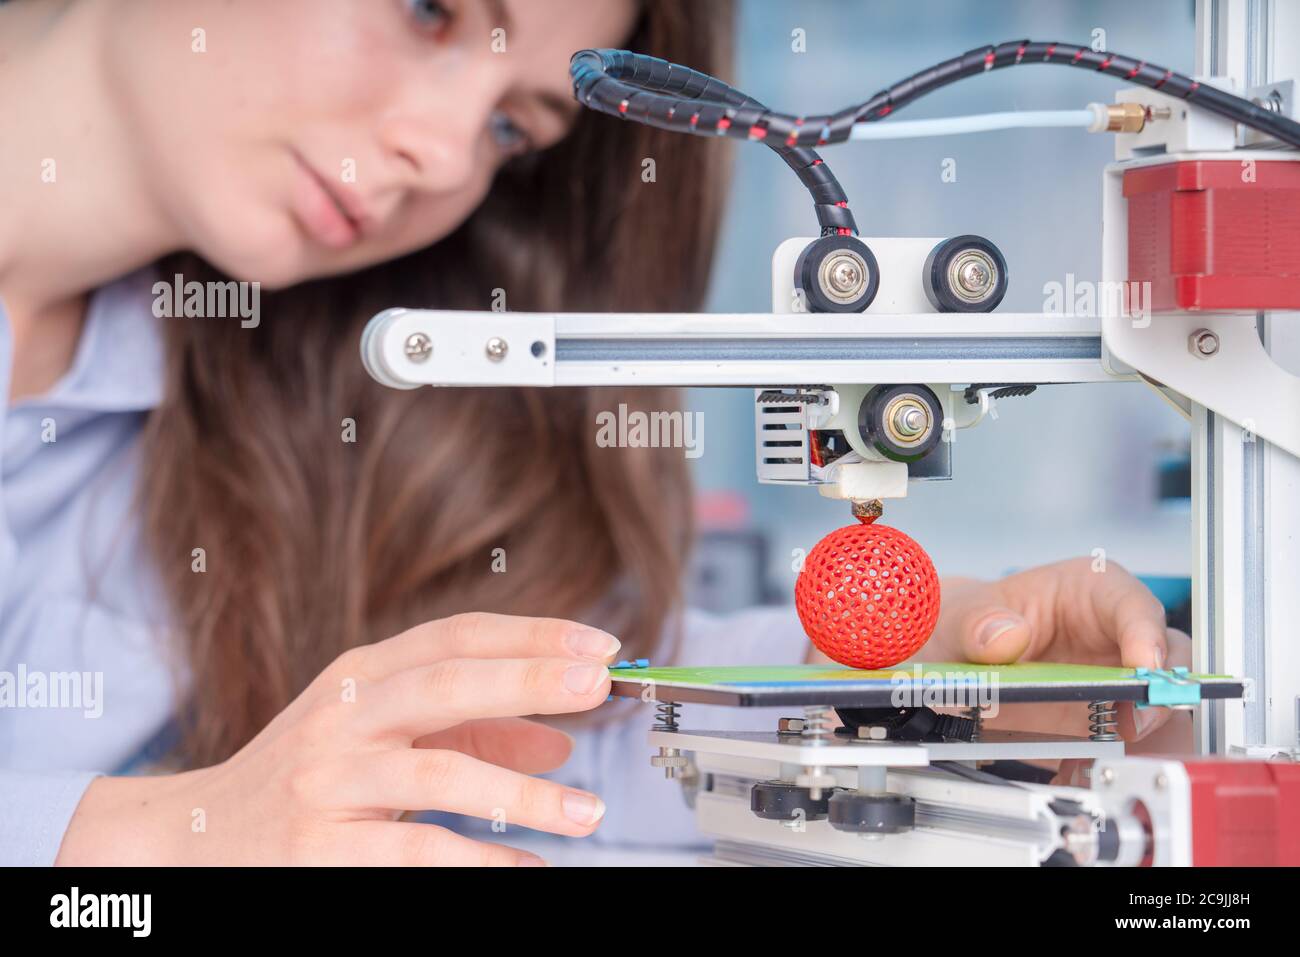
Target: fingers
(1139,723)
(1128,614)
(516,743)
(387,844)
(424,780)
(482,635)
(421,701)
(1073,772)
(988,631)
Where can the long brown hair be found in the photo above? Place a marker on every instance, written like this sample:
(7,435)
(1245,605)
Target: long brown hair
(313,544)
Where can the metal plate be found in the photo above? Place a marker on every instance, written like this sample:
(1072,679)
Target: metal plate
(762,686)
(839,750)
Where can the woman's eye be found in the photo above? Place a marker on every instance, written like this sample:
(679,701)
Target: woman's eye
(429,16)
(507,135)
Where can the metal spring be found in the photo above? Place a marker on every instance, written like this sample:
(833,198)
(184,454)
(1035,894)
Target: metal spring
(666,716)
(976,715)
(817,721)
(1103,721)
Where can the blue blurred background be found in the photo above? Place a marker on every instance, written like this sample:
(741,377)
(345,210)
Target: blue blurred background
(1061,473)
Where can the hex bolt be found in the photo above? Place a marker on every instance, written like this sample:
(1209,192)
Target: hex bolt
(909,421)
(497,348)
(1203,343)
(418,347)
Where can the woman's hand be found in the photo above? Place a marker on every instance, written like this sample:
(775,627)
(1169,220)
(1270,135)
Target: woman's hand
(1065,612)
(428,720)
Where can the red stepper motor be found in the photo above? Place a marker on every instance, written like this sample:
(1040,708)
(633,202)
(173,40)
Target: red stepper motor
(1215,234)
(868,596)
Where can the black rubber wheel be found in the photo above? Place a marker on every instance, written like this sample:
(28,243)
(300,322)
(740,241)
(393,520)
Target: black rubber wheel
(809,274)
(942,286)
(860,813)
(781,801)
(874,428)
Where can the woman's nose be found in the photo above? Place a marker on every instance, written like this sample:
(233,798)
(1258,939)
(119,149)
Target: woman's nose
(440,154)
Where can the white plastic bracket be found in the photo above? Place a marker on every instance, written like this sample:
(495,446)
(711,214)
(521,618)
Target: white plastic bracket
(1240,381)
(408,348)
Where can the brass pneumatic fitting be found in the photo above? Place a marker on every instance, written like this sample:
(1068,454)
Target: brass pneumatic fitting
(1125,118)
(1132,117)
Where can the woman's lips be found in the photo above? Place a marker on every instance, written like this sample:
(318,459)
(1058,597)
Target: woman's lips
(320,211)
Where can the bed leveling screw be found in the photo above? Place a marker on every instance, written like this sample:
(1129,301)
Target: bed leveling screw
(1103,721)
(816,732)
(670,759)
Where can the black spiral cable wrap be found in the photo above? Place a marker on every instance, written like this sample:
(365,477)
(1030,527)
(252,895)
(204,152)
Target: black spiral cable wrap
(672,97)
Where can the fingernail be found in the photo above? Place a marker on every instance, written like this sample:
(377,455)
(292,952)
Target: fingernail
(531,860)
(584,809)
(592,643)
(990,631)
(584,679)
(1160,659)
(1144,719)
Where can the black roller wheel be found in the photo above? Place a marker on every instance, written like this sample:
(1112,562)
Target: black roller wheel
(965,274)
(837,274)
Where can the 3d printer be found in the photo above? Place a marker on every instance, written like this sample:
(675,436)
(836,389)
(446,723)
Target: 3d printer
(877,349)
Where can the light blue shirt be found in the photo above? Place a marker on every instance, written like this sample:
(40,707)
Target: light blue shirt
(82,617)
(83,679)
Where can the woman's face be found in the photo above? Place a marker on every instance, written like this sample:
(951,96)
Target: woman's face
(288,139)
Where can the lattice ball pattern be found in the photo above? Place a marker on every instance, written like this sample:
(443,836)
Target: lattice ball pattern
(868,596)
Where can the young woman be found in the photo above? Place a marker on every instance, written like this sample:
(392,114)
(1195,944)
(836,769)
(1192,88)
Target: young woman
(288,577)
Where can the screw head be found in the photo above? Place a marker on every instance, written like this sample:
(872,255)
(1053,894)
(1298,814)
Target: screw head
(497,348)
(418,347)
(845,276)
(1162,781)
(1203,343)
(974,277)
(1108,775)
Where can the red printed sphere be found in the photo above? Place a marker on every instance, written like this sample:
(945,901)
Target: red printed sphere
(868,596)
